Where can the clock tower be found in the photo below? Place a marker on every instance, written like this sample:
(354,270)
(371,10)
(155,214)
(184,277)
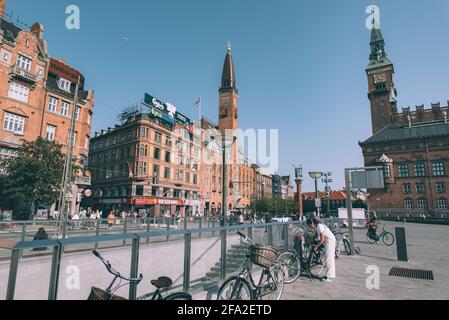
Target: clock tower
(381,89)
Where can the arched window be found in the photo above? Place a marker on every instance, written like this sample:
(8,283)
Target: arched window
(421,204)
(408,203)
(442,203)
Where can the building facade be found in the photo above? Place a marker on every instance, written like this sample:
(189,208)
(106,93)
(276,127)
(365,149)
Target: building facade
(264,184)
(411,146)
(283,187)
(150,163)
(37,96)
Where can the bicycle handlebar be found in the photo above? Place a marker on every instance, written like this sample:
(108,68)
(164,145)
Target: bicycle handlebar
(113,271)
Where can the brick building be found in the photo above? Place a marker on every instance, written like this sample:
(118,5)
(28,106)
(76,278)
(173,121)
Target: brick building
(283,187)
(264,184)
(37,95)
(149,163)
(412,146)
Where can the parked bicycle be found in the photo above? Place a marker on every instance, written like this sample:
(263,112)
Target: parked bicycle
(303,260)
(163,283)
(343,244)
(243,286)
(374,237)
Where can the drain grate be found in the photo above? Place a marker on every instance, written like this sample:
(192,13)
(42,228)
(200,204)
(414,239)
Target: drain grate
(411,273)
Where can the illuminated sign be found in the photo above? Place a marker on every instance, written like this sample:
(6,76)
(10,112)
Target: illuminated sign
(167,109)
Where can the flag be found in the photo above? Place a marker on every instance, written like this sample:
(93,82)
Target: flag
(198,102)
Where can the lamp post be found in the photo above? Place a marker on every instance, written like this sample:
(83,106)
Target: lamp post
(316,175)
(226,142)
(328,180)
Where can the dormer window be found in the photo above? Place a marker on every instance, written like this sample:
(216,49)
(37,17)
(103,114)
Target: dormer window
(24,63)
(64,84)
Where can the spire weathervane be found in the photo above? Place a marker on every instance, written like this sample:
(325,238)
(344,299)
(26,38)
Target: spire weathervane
(229,46)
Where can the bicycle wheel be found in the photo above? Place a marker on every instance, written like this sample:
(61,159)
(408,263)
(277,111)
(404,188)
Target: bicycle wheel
(275,283)
(370,241)
(347,247)
(179,296)
(316,266)
(388,239)
(292,265)
(235,288)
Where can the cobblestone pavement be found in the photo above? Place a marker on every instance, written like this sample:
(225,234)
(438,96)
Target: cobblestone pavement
(427,247)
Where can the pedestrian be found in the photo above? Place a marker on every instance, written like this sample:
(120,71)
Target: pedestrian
(40,236)
(75,221)
(326,238)
(111,220)
(241,219)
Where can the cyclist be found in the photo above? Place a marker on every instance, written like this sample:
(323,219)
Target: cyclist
(326,238)
(372,229)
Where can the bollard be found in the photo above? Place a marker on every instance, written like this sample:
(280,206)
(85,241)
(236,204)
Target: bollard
(134,267)
(223,254)
(168,229)
(270,235)
(54,275)
(213,226)
(14,265)
(401,244)
(285,232)
(200,226)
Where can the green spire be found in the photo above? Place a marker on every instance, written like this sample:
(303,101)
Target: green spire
(378,56)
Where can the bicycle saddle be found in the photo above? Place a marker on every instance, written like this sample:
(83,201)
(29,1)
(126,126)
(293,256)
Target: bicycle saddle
(162,283)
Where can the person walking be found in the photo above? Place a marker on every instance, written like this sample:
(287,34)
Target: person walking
(326,238)
(111,220)
(75,221)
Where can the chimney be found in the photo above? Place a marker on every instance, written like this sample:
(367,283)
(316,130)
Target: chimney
(2,8)
(38,30)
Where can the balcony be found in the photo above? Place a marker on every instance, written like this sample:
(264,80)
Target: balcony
(17,73)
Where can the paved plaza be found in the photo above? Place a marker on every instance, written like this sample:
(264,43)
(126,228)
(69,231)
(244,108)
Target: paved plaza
(427,250)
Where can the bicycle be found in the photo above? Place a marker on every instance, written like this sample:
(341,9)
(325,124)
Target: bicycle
(163,283)
(243,286)
(344,243)
(303,260)
(387,237)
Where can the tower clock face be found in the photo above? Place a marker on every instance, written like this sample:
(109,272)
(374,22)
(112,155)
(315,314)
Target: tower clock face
(380,78)
(225,102)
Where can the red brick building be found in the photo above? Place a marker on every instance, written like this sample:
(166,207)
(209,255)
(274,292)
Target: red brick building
(411,146)
(37,95)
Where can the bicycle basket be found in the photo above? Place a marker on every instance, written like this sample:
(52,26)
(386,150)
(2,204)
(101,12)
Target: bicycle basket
(98,294)
(263,256)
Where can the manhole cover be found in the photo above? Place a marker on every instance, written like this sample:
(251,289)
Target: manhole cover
(411,273)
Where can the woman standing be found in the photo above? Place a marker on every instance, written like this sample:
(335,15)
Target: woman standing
(326,238)
(111,220)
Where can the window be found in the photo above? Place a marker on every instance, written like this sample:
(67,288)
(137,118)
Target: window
(143,150)
(52,104)
(139,190)
(441,187)
(422,204)
(406,188)
(408,204)
(442,204)
(6,56)
(142,168)
(420,188)
(156,171)
(18,92)
(77,113)
(157,153)
(187,177)
(438,169)
(51,132)
(24,63)
(387,172)
(195,179)
(14,123)
(177,175)
(65,109)
(167,173)
(64,84)
(167,157)
(154,191)
(158,137)
(403,170)
(177,194)
(420,170)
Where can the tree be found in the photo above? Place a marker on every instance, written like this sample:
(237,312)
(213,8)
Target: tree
(35,175)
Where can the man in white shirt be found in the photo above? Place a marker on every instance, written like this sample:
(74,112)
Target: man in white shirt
(326,238)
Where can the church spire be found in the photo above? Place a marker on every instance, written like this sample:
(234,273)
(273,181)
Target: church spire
(228,79)
(378,56)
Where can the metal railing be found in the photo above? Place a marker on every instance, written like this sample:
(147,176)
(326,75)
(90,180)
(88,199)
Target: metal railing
(28,75)
(58,245)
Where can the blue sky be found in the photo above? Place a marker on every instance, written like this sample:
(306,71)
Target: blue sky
(299,64)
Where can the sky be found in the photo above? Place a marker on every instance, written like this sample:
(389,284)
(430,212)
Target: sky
(300,64)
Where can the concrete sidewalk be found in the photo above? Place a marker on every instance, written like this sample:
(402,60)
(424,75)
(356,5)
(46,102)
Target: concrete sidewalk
(427,250)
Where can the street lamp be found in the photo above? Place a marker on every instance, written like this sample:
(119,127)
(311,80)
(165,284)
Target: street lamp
(316,175)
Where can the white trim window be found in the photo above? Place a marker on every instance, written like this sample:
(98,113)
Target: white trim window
(14,123)
(65,108)
(51,133)
(18,92)
(408,204)
(422,204)
(442,204)
(24,62)
(52,104)
(64,84)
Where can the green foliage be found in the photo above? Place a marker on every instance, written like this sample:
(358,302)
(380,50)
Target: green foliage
(276,205)
(35,175)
